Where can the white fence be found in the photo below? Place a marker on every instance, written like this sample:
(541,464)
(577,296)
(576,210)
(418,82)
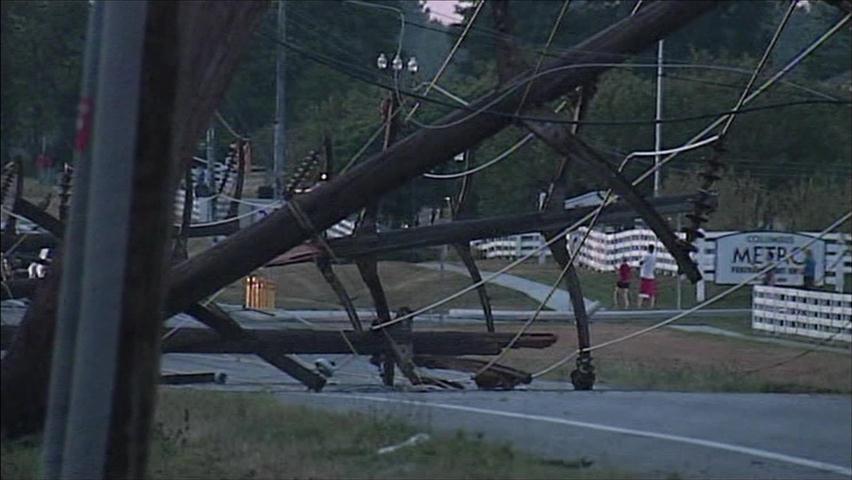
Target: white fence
(603,251)
(512,246)
(201,206)
(807,313)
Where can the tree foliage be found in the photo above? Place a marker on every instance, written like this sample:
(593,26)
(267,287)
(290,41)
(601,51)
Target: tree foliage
(776,148)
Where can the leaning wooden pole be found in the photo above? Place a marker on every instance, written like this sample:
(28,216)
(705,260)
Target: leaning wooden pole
(583,376)
(460,207)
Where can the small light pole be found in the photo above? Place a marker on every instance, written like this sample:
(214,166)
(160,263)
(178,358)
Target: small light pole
(444,247)
(389,106)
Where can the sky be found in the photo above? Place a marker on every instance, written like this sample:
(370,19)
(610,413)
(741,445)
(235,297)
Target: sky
(442,9)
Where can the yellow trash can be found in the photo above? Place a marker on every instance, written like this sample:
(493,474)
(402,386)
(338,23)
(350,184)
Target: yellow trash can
(260,293)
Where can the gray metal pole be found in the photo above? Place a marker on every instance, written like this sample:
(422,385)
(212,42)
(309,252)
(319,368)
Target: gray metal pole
(106,240)
(280,141)
(210,142)
(658,127)
(679,276)
(72,263)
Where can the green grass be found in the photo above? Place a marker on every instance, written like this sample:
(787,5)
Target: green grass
(599,285)
(202,434)
(303,287)
(684,377)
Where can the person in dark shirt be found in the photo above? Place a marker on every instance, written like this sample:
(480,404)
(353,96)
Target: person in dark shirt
(769,276)
(810,270)
(622,285)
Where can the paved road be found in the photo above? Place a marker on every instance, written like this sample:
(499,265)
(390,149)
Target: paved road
(560,300)
(653,434)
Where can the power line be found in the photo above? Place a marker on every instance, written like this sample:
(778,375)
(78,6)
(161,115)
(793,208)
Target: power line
(331,63)
(537,50)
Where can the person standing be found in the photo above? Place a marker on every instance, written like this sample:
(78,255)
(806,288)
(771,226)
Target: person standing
(44,165)
(810,270)
(622,285)
(769,276)
(647,279)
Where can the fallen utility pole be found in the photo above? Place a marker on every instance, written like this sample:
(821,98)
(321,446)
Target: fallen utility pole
(303,341)
(251,248)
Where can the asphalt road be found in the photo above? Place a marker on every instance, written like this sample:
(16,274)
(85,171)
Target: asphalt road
(652,434)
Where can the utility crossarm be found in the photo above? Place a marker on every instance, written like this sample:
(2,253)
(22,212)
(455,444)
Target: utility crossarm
(467,230)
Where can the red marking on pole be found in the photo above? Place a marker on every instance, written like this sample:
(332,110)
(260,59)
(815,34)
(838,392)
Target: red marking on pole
(84,125)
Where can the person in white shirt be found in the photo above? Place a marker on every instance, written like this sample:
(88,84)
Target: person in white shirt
(647,280)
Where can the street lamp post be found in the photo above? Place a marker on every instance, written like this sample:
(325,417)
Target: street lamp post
(445,247)
(390,105)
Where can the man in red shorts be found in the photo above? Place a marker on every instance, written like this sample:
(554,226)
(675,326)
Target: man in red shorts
(647,280)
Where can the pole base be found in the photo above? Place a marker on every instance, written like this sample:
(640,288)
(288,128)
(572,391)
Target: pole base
(583,377)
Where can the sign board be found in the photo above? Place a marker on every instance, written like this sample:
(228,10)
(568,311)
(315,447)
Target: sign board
(741,255)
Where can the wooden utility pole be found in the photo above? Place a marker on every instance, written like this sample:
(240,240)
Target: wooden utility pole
(280,140)
(458,208)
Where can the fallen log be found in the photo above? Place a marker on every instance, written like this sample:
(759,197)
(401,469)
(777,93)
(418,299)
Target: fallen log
(192,378)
